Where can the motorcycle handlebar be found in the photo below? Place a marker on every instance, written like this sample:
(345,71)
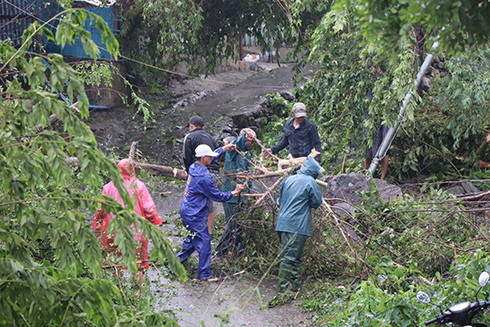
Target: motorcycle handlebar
(445,317)
(428,322)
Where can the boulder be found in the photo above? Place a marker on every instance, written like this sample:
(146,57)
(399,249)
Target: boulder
(287,95)
(469,187)
(455,190)
(387,191)
(248,118)
(344,188)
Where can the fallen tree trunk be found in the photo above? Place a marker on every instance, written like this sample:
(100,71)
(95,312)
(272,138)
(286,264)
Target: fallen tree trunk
(157,170)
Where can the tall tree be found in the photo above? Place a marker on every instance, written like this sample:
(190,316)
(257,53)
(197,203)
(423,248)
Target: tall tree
(456,25)
(202,34)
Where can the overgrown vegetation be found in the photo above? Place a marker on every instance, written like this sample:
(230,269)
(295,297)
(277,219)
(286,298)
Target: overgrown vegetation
(428,243)
(355,89)
(364,268)
(50,271)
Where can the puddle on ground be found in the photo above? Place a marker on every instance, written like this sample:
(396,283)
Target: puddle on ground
(233,301)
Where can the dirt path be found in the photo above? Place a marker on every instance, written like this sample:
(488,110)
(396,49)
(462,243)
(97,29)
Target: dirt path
(235,300)
(161,141)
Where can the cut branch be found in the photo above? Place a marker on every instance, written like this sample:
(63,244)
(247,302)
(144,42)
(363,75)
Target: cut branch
(483,145)
(270,190)
(157,170)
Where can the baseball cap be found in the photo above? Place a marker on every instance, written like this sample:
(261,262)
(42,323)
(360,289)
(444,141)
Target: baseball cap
(299,109)
(204,150)
(195,120)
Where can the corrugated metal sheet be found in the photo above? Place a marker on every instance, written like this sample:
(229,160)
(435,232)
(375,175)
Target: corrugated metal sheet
(17,15)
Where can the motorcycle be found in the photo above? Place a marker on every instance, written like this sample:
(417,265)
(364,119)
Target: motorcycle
(462,313)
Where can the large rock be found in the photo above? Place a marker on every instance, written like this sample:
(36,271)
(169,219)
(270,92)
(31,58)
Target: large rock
(342,194)
(249,118)
(344,188)
(387,191)
(287,95)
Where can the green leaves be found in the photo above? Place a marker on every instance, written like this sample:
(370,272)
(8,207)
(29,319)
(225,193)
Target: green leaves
(47,248)
(367,56)
(203,34)
(31,295)
(457,26)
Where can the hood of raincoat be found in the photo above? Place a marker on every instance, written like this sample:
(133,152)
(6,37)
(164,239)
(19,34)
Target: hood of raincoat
(241,145)
(127,170)
(310,167)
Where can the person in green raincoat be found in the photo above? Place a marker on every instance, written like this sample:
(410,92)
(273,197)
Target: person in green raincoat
(232,239)
(298,194)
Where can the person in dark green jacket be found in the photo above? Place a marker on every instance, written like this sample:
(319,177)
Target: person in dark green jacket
(232,239)
(299,193)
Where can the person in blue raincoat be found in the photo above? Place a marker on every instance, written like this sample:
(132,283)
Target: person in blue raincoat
(298,195)
(235,162)
(194,209)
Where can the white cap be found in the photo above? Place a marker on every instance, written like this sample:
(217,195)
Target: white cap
(204,150)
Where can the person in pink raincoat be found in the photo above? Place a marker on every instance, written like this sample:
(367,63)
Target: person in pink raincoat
(143,206)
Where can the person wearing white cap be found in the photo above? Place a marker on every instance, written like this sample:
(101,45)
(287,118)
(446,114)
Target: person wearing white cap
(194,209)
(300,134)
(197,135)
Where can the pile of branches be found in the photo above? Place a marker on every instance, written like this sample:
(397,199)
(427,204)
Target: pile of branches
(424,235)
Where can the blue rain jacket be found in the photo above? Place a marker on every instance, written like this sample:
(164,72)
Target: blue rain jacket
(200,187)
(299,193)
(235,163)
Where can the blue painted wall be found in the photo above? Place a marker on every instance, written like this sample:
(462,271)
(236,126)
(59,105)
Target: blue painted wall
(16,17)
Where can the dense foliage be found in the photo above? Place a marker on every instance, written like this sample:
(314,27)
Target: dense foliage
(367,54)
(455,24)
(202,34)
(389,298)
(355,89)
(361,77)
(364,269)
(50,260)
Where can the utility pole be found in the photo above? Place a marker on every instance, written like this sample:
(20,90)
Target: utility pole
(392,131)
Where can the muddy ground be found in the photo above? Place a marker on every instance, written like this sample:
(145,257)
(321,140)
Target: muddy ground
(220,96)
(234,300)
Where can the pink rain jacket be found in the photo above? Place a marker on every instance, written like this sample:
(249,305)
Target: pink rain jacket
(143,206)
